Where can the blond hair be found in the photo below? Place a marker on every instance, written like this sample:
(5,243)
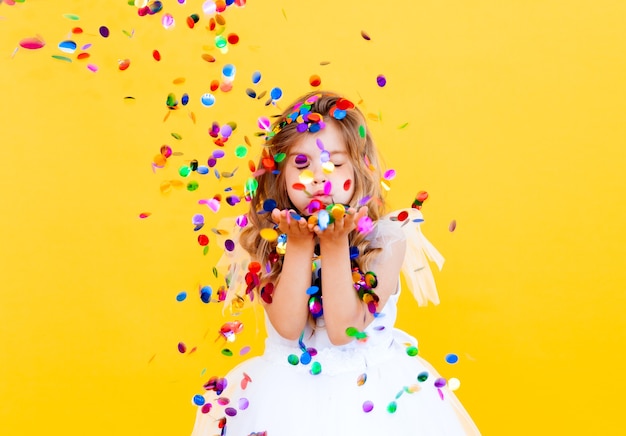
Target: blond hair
(271,184)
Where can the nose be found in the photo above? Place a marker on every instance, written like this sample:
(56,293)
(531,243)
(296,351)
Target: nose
(319,176)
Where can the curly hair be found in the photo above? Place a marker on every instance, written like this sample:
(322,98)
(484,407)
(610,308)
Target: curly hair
(271,184)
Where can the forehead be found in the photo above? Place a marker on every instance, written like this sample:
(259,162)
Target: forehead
(329,139)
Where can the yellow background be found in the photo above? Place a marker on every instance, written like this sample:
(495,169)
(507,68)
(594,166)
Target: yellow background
(515,113)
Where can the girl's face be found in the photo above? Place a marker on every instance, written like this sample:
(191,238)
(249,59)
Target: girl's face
(318,167)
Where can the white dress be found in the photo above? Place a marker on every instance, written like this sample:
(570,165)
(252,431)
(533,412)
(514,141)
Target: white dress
(309,387)
(270,394)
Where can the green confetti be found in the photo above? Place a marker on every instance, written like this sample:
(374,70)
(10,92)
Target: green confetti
(316,368)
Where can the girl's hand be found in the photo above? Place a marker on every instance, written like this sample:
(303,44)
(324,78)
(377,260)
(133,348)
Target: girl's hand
(340,228)
(295,229)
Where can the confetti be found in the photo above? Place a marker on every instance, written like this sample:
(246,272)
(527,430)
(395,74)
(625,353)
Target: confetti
(32,43)
(452,358)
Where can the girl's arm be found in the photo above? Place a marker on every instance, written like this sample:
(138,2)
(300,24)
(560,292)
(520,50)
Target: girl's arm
(342,306)
(288,312)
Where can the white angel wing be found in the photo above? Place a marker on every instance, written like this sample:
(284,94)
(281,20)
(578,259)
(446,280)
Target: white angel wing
(419,251)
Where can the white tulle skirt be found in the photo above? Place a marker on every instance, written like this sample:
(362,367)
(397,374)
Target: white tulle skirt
(366,391)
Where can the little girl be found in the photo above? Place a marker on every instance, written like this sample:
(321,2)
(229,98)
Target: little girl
(324,262)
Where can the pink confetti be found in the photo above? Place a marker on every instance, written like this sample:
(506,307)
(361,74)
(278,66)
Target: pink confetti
(32,43)
(365,225)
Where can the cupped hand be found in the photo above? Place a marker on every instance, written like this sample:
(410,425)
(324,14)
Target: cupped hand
(294,226)
(340,227)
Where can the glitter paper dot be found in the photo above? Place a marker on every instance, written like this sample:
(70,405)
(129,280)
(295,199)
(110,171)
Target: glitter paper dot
(452,358)
(452,226)
(209,7)
(454,384)
(168,21)
(123,64)
(361,379)
(316,368)
(403,215)
(206,408)
(412,351)
(182,348)
(293,359)
(220,41)
(229,245)
(205,294)
(245,350)
(422,376)
(381,80)
(276,94)
(67,46)
(243,403)
(232,38)
(228,71)
(230,411)
(389,174)
(365,224)
(269,234)
(364,35)
(144,214)
(203,240)
(198,400)
(264,123)
(306,177)
(181,296)
(305,358)
(32,43)
(315,80)
(312,290)
(368,406)
(440,382)
(269,205)
(207,99)
(392,407)
(256,77)
(104,31)
(223,401)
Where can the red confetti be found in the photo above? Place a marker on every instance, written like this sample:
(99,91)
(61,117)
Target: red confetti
(315,80)
(156,55)
(403,215)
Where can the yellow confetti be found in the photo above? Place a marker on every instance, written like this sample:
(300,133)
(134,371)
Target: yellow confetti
(269,234)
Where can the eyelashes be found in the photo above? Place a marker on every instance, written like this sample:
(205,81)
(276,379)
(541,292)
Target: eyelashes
(302,161)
